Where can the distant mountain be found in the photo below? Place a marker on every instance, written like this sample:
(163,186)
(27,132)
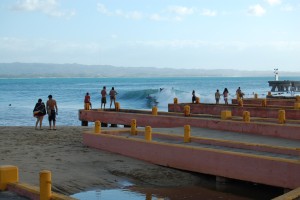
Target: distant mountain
(37,70)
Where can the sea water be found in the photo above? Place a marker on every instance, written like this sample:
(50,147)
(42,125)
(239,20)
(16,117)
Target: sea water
(18,96)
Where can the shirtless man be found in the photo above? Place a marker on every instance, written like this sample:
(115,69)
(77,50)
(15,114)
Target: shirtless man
(103,97)
(52,111)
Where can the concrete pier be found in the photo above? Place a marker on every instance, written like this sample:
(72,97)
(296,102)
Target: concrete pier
(283,86)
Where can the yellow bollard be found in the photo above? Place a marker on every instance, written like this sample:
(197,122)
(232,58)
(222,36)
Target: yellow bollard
(297,98)
(133,130)
(240,102)
(187,110)
(97,127)
(187,133)
(246,116)
(269,93)
(197,99)
(154,110)
(255,96)
(226,114)
(281,116)
(238,97)
(45,185)
(8,174)
(264,103)
(175,101)
(87,106)
(297,105)
(117,106)
(148,133)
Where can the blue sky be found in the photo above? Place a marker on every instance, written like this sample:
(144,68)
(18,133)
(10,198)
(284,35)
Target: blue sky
(205,34)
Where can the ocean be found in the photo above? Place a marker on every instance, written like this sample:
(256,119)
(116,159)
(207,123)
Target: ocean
(19,96)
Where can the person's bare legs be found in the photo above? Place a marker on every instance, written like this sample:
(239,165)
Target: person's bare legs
(41,121)
(37,122)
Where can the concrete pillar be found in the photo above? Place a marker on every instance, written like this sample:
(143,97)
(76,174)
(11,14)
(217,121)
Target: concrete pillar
(45,185)
(187,133)
(226,114)
(133,130)
(148,133)
(117,106)
(187,110)
(8,174)
(97,127)
(154,110)
(246,116)
(281,116)
(175,101)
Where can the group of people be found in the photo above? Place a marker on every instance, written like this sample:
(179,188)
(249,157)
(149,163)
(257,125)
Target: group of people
(218,95)
(112,95)
(40,110)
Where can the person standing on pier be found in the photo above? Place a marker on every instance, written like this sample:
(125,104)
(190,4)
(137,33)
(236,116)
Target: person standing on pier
(193,97)
(217,96)
(225,94)
(103,97)
(112,94)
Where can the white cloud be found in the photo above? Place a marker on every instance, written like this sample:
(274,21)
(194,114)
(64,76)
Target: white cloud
(49,7)
(102,9)
(180,10)
(136,15)
(256,10)
(273,2)
(209,13)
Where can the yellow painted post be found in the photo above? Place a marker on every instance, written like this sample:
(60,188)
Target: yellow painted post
(87,106)
(154,110)
(133,130)
(226,114)
(297,105)
(269,93)
(281,116)
(238,97)
(255,96)
(97,127)
(246,116)
(8,174)
(175,101)
(117,106)
(187,133)
(240,102)
(297,98)
(45,185)
(264,103)
(187,110)
(197,99)
(148,133)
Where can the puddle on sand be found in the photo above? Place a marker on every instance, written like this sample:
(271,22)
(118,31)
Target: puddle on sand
(209,189)
(177,193)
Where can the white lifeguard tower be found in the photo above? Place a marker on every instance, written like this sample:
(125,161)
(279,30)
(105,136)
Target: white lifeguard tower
(276,74)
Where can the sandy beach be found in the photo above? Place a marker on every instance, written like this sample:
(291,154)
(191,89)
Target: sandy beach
(75,167)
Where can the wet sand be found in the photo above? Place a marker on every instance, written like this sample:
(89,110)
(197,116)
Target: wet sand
(75,167)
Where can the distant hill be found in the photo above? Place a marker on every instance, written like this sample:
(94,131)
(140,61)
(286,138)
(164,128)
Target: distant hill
(37,70)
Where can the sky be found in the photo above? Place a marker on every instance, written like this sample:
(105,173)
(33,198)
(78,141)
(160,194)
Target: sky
(187,34)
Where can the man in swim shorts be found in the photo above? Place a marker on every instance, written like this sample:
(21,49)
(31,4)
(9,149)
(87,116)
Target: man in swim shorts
(52,111)
(103,98)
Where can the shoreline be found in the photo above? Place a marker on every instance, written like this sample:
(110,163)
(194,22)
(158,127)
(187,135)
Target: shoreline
(75,167)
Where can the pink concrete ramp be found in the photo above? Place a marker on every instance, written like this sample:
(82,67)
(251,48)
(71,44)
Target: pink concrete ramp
(269,165)
(168,120)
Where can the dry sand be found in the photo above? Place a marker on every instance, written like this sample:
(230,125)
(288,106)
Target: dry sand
(76,167)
